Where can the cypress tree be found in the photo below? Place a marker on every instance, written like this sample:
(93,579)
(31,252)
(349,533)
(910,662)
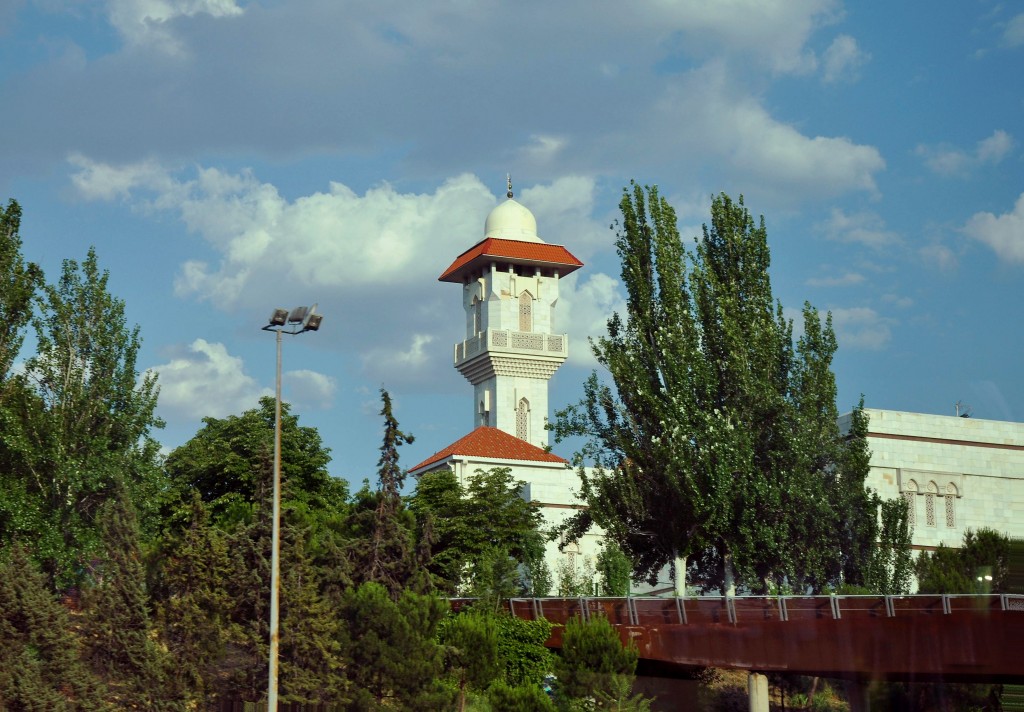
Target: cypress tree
(41,665)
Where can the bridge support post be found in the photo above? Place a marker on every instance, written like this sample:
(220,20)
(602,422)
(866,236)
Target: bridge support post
(757,691)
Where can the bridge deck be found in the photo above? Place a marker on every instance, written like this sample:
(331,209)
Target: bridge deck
(950,637)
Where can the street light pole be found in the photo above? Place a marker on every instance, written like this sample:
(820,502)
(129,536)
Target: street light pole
(298,321)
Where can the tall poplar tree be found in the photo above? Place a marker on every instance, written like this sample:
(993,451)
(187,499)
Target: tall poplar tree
(715,437)
(77,425)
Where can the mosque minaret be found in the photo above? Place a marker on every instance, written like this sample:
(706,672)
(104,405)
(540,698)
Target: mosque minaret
(510,285)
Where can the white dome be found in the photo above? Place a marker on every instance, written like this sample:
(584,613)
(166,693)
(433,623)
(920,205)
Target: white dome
(511,221)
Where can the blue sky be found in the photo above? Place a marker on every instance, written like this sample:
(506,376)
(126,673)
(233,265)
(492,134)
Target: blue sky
(226,157)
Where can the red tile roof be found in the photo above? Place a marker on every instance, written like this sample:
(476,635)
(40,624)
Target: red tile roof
(515,251)
(493,443)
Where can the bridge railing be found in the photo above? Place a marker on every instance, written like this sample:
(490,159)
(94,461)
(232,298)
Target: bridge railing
(704,610)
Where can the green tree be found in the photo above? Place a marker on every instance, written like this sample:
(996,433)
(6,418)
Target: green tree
(192,606)
(470,642)
(613,570)
(79,427)
(717,439)
(479,526)
(119,631)
(982,553)
(41,665)
(19,282)
(227,462)
(393,659)
(594,670)
(525,698)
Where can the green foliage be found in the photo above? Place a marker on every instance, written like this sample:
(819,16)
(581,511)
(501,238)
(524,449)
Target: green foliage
(594,670)
(477,529)
(613,570)
(572,579)
(524,698)
(18,284)
(521,647)
(229,464)
(717,439)
(983,553)
(394,660)
(470,642)
(41,669)
(121,645)
(192,606)
(76,424)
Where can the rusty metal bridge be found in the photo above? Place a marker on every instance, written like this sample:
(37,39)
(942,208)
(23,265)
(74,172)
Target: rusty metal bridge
(923,637)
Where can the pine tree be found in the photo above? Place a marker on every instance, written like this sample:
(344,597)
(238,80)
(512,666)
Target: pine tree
(594,666)
(41,666)
(393,659)
(470,642)
(192,604)
(717,439)
(390,556)
(121,644)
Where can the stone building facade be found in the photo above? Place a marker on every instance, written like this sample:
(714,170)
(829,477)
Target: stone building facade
(955,473)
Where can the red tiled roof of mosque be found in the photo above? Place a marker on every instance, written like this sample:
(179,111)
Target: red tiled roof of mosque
(491,443)
(517,251)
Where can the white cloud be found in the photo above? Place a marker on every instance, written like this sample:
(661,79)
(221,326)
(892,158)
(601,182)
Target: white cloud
(307,390)
(206,380)
(584,307)
(938,255)
(862,328)
(369,260)
(411,358)
(102,181)
(950,161)
(845,280)
(843,59)
(866,228)
(707,117)
(994,148)
(1013,34)
(1003,233)
(773,32)
(149,22)
(543,148)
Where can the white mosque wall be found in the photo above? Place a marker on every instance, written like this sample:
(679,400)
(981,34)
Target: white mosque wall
(955,473)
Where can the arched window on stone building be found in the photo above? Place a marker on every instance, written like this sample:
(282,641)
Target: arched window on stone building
(523,420)
(929,505)
(910,494)
(525,311)
(950,498)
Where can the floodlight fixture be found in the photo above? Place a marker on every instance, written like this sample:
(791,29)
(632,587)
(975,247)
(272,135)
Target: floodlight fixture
(297,315)
(279,317)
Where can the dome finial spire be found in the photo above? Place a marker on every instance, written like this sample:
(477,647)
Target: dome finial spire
(508,177)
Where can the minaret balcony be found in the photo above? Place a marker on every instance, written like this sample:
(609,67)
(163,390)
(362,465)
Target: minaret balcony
(513,343)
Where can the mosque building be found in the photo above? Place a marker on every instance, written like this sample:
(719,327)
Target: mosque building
(955,473)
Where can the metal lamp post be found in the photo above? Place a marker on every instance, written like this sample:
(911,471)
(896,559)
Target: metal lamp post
(298,321)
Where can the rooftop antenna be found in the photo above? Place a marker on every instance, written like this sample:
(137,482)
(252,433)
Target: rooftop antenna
(508,178)
(962,409)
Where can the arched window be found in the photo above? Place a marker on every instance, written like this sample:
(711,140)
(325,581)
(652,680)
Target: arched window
(910,494)
(950,505)
(523,420)
(525,312)
(929,505)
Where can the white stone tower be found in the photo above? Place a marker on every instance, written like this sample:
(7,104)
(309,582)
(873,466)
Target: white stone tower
(509,291)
